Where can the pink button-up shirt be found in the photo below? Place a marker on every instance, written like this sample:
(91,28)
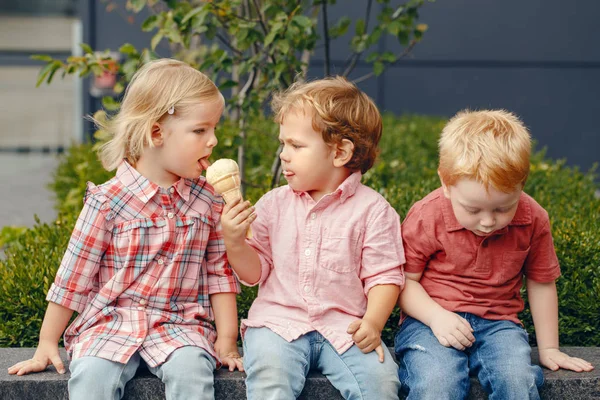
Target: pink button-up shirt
(319,260)
(139,269)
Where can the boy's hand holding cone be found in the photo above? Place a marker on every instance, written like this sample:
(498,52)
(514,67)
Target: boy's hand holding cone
(224,176)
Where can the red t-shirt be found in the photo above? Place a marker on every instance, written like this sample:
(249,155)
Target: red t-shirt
(464,272)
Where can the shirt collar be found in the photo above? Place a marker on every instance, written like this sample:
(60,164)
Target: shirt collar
(346,188)
(522,216)
(143,188)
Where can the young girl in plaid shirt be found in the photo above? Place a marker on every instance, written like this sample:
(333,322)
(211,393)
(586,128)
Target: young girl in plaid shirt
(145,268)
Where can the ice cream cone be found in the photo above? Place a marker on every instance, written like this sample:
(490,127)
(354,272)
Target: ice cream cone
(224,176)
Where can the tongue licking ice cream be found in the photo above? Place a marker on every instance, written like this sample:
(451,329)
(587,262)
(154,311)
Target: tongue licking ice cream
(224,176)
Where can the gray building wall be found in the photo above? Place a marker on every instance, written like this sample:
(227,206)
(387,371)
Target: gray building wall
(538,58)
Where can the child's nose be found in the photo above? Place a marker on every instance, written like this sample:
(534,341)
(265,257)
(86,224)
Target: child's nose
(284,155)
(488,220)
(212,141)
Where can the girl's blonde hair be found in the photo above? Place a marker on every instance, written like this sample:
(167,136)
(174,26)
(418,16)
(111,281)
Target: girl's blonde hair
(491,146)
(153,90)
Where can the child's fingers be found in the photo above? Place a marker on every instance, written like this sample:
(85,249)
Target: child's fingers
(240,364)
(243,216)
(466,324)
(467,332)
(454,342)
(359,336)
(58,364)
(462,338)
(550,364)
(31,366)
(229,206)
(379,351)
(576,364)
(353,327)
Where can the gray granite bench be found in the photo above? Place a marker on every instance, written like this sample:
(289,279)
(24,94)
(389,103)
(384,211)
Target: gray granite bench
(49,385)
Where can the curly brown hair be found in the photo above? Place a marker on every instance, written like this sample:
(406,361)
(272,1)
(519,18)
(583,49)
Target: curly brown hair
(339,111)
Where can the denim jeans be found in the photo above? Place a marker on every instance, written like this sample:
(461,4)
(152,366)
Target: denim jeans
(276,369)
(500,358)
(187,374)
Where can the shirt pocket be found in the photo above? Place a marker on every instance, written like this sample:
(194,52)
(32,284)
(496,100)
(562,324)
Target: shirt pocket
(341,252)
(512,264)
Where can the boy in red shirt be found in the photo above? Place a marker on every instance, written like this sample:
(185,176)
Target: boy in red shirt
(468,245)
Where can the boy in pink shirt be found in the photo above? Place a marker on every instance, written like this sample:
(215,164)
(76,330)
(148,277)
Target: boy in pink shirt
(326,252)
(468,245)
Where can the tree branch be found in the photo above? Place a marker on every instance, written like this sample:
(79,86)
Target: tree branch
(228,44)
(326,39)
(356,56)
(406,52)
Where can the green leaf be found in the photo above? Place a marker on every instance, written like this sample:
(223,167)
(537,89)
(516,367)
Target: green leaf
(398,11)
(192,13)
(303,21)
(155,40)
(136,5)
(43,73)
(86,48)
(150,23)
(378,68)
(41,57)
(110,104)
(340,28)
(360,27)
(227,84)
(128,48)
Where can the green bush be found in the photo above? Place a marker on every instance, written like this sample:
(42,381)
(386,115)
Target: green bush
(406,171)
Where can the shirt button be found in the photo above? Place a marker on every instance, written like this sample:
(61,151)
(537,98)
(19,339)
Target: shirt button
(140,308)
(161,261)
(139,340)
(307,252)
(313,216)
(306,289)
(143,301)
(171,190)
(170,215)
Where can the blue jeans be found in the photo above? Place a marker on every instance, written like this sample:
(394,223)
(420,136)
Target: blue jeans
(187,374)
(276,369)
(500,358)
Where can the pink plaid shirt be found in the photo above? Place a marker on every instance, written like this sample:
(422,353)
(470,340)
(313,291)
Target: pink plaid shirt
(139,269)
(319,260)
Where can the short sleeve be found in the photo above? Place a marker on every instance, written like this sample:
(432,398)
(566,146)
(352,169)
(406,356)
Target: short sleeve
(541,264)
(417,239)
(260,240)
(383,253)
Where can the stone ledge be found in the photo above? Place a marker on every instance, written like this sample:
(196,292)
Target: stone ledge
(49,385)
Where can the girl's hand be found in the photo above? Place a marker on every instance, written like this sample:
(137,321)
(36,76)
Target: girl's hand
(554,359)
(452,330)
(227,352)
(46,354)
(366,337)
(235,220)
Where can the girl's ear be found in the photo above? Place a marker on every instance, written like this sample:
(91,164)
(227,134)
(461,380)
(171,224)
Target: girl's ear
(157,135)
(343,153)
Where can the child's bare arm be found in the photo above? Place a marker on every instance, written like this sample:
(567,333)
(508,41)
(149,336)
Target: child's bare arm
(55,322)
(366,332)
(543,302)
(449,328)
(236,219)
(225,311)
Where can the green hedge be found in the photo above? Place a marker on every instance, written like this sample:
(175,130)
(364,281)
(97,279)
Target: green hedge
(406,171)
